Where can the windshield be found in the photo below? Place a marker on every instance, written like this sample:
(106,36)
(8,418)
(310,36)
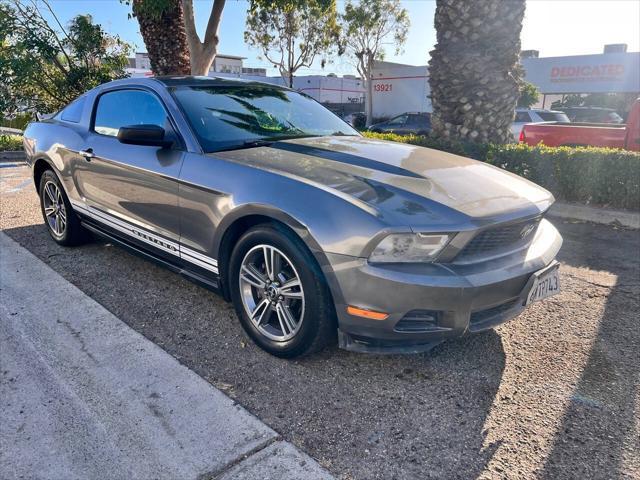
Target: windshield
(225,117)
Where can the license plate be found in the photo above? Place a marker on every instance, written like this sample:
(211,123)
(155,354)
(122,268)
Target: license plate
(546,284)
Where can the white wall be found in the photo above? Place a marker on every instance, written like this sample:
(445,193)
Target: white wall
(331,89)
(399,88)
(322,88)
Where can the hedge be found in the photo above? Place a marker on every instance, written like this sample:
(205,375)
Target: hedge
(594,176)
(9,143)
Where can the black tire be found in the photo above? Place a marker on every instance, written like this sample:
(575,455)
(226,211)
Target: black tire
(72,233)
(318,325)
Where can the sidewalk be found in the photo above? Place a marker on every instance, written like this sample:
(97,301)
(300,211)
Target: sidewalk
(84,396)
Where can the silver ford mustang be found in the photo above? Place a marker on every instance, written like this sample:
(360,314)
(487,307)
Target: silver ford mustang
(312,231)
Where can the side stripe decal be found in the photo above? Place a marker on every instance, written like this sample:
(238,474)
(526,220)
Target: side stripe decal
(157,241)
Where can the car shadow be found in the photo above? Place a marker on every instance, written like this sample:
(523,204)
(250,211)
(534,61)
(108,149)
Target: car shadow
(597,433)
(362,416)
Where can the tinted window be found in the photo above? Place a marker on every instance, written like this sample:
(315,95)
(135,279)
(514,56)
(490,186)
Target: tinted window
(73,111)
(522,117)
(230,116)
(419,120)
(553,116)
(128,107)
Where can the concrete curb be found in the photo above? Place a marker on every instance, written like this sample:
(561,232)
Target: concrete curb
(603,216)
(85,396)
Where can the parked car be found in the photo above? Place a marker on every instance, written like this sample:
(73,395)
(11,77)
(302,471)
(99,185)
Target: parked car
(405,124)
(535,115)
(592,115)
(262,194)
(616,135)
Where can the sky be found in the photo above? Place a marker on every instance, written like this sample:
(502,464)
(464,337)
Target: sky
(554,27)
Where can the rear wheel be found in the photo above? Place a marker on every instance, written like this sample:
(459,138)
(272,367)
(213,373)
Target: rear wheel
(62,223)
(279,293)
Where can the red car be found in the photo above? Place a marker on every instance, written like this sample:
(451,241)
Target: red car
(552,134)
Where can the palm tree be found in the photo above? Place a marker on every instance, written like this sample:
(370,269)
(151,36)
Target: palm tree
(474,71)
(162,27)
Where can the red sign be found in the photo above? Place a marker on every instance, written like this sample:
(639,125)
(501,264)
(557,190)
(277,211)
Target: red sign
(585,73)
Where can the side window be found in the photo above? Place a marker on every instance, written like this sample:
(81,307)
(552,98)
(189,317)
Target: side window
(399,120)
(122,108)
(522,117)
(419,120)
(73,111)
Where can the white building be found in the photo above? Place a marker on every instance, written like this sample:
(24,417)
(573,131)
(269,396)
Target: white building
(399,88)
(221,64)
(608,72)
(227,64)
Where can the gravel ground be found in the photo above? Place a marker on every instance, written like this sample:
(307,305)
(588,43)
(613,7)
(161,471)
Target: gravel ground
(552,394)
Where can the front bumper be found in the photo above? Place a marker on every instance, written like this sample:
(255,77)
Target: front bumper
(456,298)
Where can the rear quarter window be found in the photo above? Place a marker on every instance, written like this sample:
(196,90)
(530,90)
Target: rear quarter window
(73,111)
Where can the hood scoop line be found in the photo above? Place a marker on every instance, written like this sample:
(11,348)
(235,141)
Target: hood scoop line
(347,158)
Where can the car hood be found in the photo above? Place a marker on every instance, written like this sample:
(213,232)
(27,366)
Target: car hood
(399,178)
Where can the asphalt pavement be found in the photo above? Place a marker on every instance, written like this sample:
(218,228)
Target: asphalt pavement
(555,393)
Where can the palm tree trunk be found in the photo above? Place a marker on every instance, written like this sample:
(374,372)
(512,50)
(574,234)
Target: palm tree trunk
(164,36)
(474,71)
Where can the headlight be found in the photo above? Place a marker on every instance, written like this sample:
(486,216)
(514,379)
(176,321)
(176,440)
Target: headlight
(409,247)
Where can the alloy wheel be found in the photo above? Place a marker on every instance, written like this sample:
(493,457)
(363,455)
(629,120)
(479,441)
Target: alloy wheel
(271,292)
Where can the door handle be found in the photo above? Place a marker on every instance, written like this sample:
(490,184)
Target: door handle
(87,154)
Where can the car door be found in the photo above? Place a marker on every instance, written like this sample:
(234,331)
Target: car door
(132,189)
(417,124)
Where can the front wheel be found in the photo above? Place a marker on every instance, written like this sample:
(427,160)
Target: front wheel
(279,293)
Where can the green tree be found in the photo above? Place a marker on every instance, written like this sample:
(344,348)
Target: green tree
(529,95)
(44,65)
(163,32)
(292,33)
(366,25)
(169,33)
(474,71)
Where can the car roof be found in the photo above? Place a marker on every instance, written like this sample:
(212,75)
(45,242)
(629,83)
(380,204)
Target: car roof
(207,81)
(537,110)
(605,109)
(188,80)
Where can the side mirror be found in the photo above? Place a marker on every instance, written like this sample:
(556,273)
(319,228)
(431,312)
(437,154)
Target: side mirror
(149,135)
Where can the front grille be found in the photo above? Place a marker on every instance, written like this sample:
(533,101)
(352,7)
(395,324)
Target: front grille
(502,237)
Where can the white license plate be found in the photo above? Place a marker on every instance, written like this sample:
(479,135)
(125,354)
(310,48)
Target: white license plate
(546,284)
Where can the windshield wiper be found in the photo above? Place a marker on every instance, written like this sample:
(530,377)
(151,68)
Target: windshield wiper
(246,144)
(260,142)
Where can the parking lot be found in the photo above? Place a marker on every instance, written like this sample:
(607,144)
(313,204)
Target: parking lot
(554,393)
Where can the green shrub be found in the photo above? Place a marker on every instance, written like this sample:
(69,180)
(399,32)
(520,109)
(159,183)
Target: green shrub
(20,120)
(9,143)
(590,175)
